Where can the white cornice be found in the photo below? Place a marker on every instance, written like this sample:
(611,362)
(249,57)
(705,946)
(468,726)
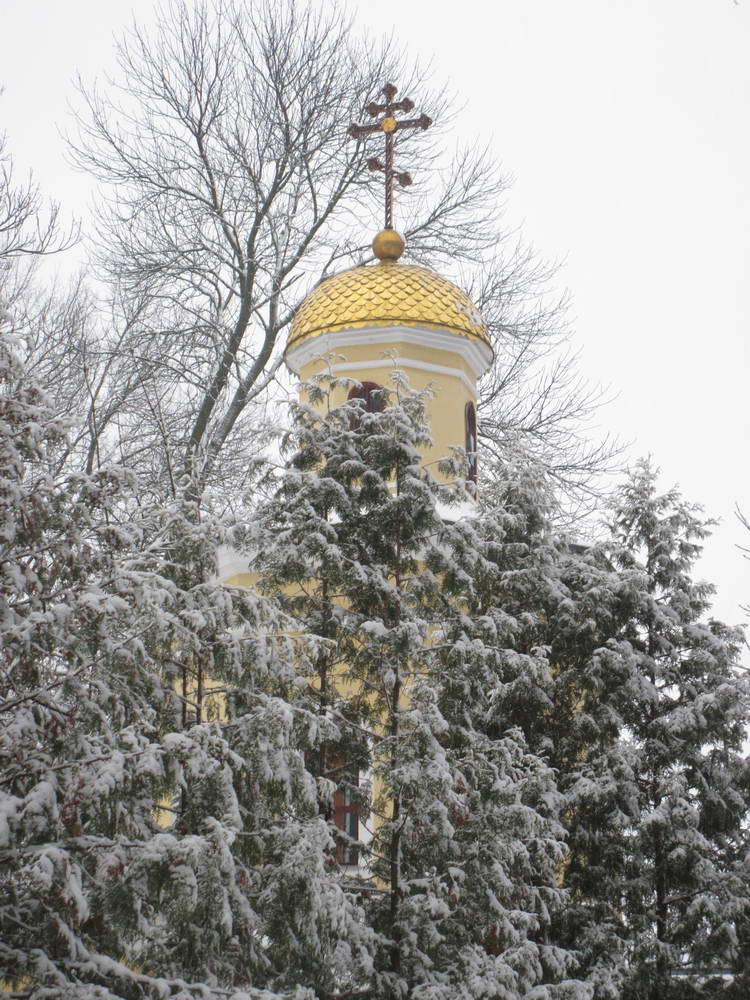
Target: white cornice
(475,353)
(231,563)
(397,362)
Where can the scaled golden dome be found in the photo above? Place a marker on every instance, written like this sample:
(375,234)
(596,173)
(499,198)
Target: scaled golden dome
(387,294)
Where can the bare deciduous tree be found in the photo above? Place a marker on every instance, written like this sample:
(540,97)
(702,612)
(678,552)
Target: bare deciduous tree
(231,187)
(29,226)
(78,351)
(71,347)
(534,402)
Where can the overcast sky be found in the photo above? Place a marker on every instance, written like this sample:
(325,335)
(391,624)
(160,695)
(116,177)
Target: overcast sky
(625,124)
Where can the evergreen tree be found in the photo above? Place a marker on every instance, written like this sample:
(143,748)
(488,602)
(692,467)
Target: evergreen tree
(620,683)
(126,792)
(542,742)
(559,604)
(650,715)
(459,844)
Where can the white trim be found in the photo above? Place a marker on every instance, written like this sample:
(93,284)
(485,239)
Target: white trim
(393,363)
(230,562)
(475,353)
(461,510)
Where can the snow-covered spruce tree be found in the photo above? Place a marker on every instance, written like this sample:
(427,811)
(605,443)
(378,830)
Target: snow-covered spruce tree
(559,607)
(459,841)
(687,891)
(648,720)
(638,705)
(144,852)
(565,604)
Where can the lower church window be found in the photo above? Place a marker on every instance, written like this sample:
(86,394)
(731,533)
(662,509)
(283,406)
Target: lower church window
(346,818)
(345,813)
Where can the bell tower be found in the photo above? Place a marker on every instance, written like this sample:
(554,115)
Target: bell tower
(364,322)
(376,317)
(380,316)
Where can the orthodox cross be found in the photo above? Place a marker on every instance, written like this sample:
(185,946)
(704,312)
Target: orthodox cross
(389,124)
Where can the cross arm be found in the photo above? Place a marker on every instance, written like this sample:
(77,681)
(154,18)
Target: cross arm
(374,109)
(422,122)
(355,131)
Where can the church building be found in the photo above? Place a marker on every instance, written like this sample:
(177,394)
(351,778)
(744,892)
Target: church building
(364,322)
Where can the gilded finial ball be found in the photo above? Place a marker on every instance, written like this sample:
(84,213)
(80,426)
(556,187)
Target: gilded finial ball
(388,245)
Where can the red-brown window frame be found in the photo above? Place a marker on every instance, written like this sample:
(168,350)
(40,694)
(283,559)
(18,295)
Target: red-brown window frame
(345,814)
(346,817)
(470,442)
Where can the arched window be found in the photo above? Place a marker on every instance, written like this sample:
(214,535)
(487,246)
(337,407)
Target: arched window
(470,428)
(372,393)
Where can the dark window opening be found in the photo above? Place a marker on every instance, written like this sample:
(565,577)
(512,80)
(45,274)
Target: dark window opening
(470,425)
(372,393)
(345,812)
(346,817)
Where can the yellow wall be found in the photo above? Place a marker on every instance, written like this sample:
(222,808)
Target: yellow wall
(445,410)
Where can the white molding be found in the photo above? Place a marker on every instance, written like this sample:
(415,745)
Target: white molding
(396,362)
(462,510)
(230,562)
(475,353)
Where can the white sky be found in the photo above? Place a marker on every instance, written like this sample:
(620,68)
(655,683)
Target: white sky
(626,126)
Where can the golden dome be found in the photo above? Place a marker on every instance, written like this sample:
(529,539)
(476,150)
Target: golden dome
(387,294)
